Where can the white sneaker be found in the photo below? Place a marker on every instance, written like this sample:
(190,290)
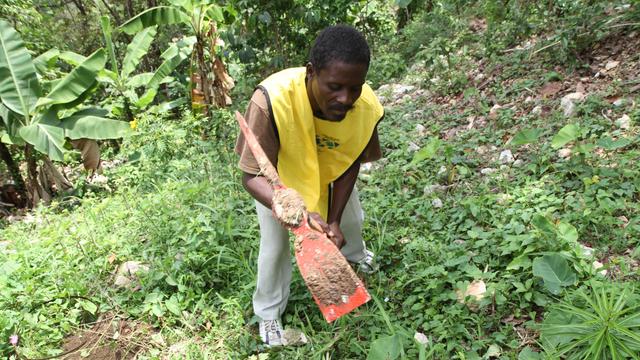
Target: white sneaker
(367,265)
(271,332)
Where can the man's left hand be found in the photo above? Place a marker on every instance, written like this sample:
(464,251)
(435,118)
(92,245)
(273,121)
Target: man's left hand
(336,235)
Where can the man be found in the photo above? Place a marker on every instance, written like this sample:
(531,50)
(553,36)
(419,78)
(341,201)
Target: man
(316,124)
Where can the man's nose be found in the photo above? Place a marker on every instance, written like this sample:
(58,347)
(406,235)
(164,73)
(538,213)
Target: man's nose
(345,97)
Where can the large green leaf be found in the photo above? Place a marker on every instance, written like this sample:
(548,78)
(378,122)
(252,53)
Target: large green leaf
(554,271)
(386,348)
(608,143)
(139,80)
(12,123)
(428,151)
(19,86)
(159,15)
(174,55)
(214,12)
(84,125)
(81,79)
(137,49)
(46,135)
(72,58)
(105,24)
(526,136)
(46,60)
(566,135)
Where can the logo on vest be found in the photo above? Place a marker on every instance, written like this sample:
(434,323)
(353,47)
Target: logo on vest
(326,142)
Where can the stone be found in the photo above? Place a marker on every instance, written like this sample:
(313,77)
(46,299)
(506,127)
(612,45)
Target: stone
(529,99)
(431,189)
(126,273)
(564,153)
(506,157)
(421,338)
(493,113)
(436,203)
(537,110)
(487,171)
(568,103)
(624,122)
(518,163)
(412,147)
(611,65)
(421,130)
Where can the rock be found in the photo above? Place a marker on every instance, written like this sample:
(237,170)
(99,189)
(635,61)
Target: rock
(586,251)
(442,170)
(506,157)
(503,198)
(487,171)
(126,273)
(564,153)
(493,113)
(568,103)
(624,122)
(517,163)
(293,337)
(421,338)
(436,203)
(421,130)
(482,149)
(504,167)
(413,147)
(430,189)
(597,265)
(472,294)
(611,65)
(537,110)
(366,167)
(529,99)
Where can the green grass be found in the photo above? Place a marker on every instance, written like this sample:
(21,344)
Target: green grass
(177,206)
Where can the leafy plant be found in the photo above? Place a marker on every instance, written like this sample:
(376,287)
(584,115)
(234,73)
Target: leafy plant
(44,122)
(602,322)
(126,85)
(202,17)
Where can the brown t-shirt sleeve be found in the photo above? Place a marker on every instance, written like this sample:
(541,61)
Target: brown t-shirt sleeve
(260,123)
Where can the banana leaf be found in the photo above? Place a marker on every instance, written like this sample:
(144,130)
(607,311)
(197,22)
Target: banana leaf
(77,81)
(138,48)
(159,15)
(46,135)
(19,86)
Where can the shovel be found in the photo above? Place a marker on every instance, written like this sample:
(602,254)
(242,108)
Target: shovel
(334,285)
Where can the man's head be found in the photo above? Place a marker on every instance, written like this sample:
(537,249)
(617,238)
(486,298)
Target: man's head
(336,71)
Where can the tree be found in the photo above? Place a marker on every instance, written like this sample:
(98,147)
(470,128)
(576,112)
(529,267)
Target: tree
(45,122)
(202,17)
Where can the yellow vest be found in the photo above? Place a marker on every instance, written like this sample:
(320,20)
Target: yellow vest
(314,152)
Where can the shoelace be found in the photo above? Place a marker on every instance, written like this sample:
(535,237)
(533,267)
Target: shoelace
(271,326)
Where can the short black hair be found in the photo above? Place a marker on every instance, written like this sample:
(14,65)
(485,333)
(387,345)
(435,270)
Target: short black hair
(339,42)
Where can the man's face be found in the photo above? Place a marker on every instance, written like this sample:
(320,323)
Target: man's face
(333,90)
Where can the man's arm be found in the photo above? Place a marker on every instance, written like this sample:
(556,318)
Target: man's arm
(342,189)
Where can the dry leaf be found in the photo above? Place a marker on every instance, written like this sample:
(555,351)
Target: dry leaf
(111,258)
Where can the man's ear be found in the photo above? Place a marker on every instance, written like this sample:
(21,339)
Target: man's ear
(310,71)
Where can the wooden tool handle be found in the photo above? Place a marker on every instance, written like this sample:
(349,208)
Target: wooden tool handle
(266,168)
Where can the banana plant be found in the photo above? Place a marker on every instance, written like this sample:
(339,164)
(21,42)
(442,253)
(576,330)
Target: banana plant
(42,121)
(126,84)
(201,16)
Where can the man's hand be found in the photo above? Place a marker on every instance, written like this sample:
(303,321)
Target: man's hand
(336,234)
(332,231)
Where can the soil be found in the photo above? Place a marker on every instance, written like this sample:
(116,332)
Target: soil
(288,206)
(110,338)
(330,282)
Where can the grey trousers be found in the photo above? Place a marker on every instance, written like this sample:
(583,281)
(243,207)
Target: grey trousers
(274,259)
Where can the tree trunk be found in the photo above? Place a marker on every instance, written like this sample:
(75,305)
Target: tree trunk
(14,170)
